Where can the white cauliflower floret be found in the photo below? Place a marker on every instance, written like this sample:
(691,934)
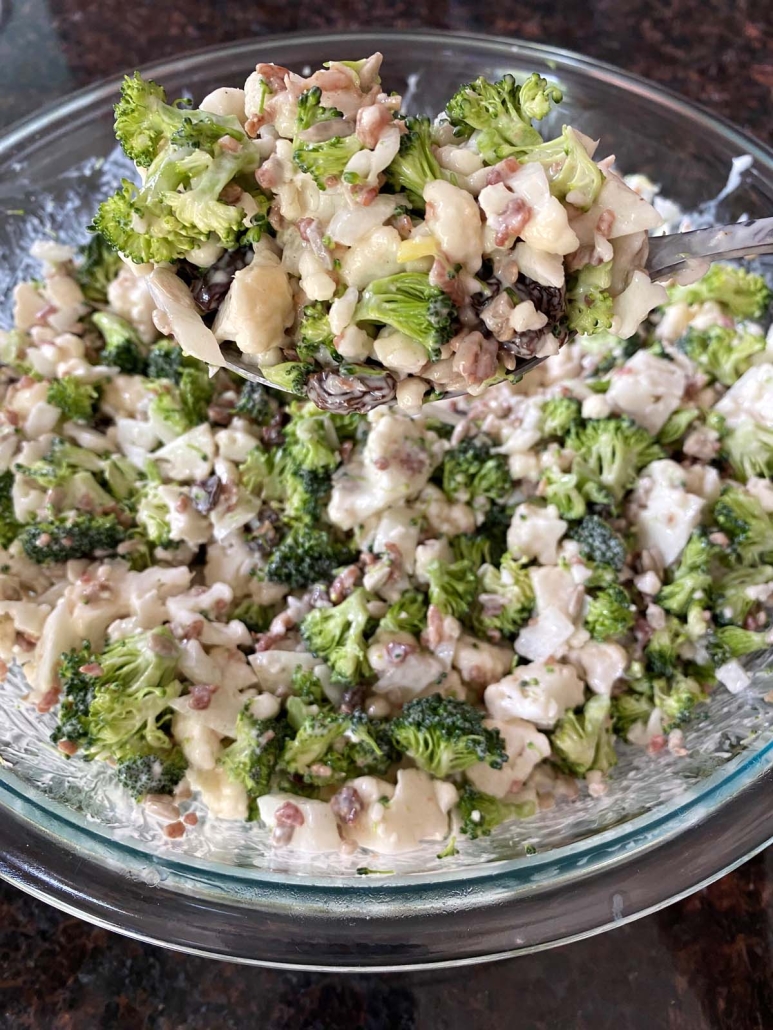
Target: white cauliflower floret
(547,226)
(750,398)
(399,528)
(399,352)
(317,834)
(199,743)
(274,669)
(129,297)
(453,218)
(415,810)
(188,458)
(525,747)
(648,389)
(601,664)
(404,671)
(535,533)
(632,306)
(537,692)
(429,551)
(555,587)
(60,636)
(540,265)
(373,256)
(480,662)
(546,636)
(670,513)
(444,517)
(258,307)
(224,797)
(236,442)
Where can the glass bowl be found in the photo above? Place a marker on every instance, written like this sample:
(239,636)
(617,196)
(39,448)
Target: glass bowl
(666,826)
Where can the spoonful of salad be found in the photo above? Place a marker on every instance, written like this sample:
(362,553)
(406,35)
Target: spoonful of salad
(306,234)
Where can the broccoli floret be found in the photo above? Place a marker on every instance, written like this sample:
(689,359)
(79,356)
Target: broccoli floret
(9,527)
(480,813)
(415,164)
(255,470)
(746,523)
(501,112)
(569,168)
(724,354)
(325,162)
(256,617)
(588,302)
(145,122)
(99,265)
(476,549)
(153,516)
(305,556)
(167,407)
(743,293)
(74,398)
(121,477)
(749,449)
(662,651)
(331,747)
(561,489)
(558,414)
(77,693)
(677,425)
(311,111)
(630,708)
(314,333)
(255,403)
(584,741)
(599,542)
(310,440)
(453,586)
(196,390)
(408,302)
(157,772)
(609,614)
(123,347)
(676,698)
(337,636)
(470,472)
(288,376)
(165,361)
(505,599)
(444,736)
(692,579)
(728,642)
(734,599)
(308,687)
(408,615)
(80,535)
(609,452)
(254,754)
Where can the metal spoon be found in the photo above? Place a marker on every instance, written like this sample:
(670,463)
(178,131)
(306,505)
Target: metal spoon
(668,255)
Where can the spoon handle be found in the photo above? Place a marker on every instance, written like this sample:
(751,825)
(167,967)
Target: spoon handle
(669,254)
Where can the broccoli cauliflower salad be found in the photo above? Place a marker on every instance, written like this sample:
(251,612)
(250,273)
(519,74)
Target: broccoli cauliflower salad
(366,631)
(355,255)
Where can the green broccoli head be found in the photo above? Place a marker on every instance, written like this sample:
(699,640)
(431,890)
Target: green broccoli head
(75,398)
(325,162)
(481,813)
(573,175)
(409,303)
(78,535)
(453,586)
(676,697)
(77,680)
(415,164)
(677,425)
(310,110)
(584,741)
(444,736)
(662,651)
(256,617)
(505,599)
(631,708)
(599,542)
(196,391)
(156,772)
(408,615)
(691,581)
(560,488)
(588,302)
(288,376)
(609,614)
(123,347)
(608,455)
(98,265)
(501,113)
(749,449)
(558,414)
(728,642)
(743,293)
(331,747)
(314,335)
(337,636)
(251,759)
(471,472)
(255,403)
(746,523)
(9,527)
(152,515)
(734,597)
(166,361)
(63,461)
(306,555)
(308,686)
(166,408)
(722,353)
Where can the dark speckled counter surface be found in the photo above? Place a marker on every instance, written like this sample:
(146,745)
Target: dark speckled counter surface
(702,964)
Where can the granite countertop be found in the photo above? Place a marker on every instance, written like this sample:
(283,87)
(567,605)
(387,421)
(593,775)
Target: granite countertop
(702,964)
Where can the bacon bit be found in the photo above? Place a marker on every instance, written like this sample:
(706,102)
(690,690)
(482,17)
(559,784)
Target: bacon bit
(288,816)
(311,233)
(269,175)
(230,194)
(174,830)
(230,144)
(48,700)
(346,451)
(434,631)
(502,171)
(194,630)
(476,358)
(720,539)
(12,418)
(254,124)
(352,699)
(201,696)
(346,805)
(445,278)
(91,669)
(44,539)
(605,223)
(371,122)
(67,747)
(366,197)
(3,669)
(182,504)
(656,745)
(40,319)
(274,76)
(382,464)
(404,225)
(190,819)
(344,583)
(397,651)
(511,221)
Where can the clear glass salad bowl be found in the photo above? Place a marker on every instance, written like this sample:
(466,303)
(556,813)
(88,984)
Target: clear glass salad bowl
(667,824)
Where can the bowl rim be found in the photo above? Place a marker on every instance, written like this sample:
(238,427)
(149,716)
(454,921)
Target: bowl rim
(689,807)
